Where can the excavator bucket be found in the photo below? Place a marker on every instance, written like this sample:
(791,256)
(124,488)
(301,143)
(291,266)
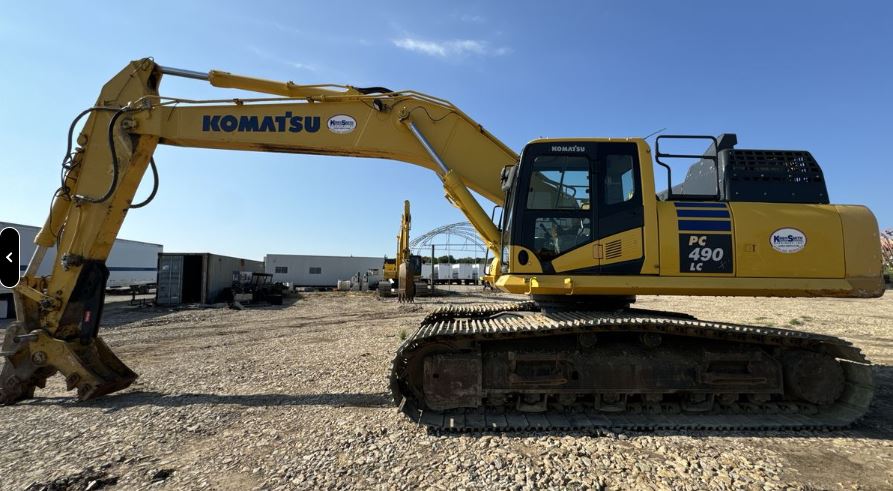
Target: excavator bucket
(31,358)
(406,283)
(88,365)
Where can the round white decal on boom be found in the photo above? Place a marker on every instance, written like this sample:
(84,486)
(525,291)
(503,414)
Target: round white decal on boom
(341,123)
(788,240)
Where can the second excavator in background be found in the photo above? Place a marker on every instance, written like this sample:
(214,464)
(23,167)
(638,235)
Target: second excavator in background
(404,271)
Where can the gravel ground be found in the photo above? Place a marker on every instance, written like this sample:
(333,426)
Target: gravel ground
(294,397)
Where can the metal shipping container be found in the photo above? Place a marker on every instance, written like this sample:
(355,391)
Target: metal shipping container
(319,271)
(198,277)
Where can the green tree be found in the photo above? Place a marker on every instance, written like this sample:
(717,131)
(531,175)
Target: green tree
(471,260)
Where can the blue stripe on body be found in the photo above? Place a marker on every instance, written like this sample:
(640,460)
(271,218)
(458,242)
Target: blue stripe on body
(703,213)
(698,204)
(706,225)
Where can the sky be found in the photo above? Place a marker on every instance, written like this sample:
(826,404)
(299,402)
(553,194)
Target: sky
(814,76)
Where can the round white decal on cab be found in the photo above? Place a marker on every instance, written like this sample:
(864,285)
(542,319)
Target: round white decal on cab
(788,240)
(341,123)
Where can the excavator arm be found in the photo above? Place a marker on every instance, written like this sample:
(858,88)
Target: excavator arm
(403,250)
(59,315)
(406,274)
(400,270)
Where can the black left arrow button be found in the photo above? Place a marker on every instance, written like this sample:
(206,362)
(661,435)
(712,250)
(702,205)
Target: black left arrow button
(9,257)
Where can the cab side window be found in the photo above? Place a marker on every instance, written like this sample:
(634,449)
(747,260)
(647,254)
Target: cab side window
(619,179)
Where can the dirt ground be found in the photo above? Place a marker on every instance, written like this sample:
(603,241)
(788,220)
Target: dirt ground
(295,397)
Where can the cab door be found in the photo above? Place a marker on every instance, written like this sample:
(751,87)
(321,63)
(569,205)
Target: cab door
(579,208)
(554,208)
(621,216)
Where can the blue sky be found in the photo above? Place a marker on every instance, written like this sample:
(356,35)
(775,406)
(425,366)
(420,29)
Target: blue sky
(797,75)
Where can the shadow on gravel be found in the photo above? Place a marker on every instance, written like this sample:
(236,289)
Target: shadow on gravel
(121,316)
(877,424)
(120,313)
(116,402)
(287,302)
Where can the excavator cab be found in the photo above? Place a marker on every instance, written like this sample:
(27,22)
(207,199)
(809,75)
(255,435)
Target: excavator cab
(566,199)
(583,219)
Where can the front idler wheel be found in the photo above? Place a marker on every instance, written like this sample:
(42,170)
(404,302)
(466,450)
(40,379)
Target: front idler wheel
(813,377)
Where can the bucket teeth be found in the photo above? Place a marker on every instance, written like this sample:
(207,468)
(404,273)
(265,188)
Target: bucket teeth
(109,373)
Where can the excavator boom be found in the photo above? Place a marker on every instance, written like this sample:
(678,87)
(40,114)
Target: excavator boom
(59,315)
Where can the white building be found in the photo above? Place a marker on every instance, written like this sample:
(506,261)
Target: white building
(319,271)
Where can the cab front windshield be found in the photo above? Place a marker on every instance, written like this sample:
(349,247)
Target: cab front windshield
(559,183)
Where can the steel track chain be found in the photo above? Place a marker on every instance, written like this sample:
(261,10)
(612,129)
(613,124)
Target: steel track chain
(522,319)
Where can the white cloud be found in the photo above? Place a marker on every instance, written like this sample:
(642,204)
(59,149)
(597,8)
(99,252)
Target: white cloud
(272,57)
(445,49)
(285,28)
(474,19)
(302,66)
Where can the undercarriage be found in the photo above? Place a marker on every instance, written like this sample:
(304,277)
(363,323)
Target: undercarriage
(518,367)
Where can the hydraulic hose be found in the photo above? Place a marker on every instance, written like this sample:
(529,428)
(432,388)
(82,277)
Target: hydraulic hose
(67,159)
(114,184)
(154,185)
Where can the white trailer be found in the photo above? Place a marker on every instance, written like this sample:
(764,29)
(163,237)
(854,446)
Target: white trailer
(463,273)
(133,264)
(426,272)
(443,274)
(319,271)
(130,263)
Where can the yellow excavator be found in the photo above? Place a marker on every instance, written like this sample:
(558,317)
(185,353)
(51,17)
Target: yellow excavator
(404,270)
(584,230)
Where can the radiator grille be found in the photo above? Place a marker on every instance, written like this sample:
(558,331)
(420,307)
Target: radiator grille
(613,249)
(774,176)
